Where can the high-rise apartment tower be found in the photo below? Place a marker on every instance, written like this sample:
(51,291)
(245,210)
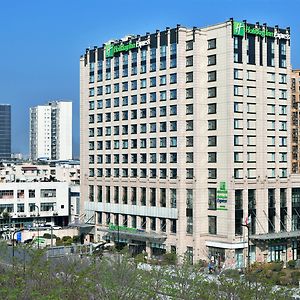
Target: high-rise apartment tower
(51,131)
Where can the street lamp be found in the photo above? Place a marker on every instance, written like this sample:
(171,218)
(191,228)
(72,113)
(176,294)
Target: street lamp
(38,230)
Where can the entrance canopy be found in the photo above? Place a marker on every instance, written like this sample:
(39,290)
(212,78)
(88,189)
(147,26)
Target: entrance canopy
(276,235)
(136,234)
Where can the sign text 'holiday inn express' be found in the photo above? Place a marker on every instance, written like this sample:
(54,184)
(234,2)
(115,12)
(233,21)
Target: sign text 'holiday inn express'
(112,49)
(241,28)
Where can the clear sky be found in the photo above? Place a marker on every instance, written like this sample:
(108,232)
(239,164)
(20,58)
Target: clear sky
(42,40)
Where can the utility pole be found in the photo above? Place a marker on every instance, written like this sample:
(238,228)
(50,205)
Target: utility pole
(247,225)
(38,223)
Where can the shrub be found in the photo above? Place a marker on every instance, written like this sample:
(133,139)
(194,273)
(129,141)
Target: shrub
(295,276)
(140,258)
(285,280)
(48,236)
(276,266)
(76,239)
(65,238)
(291,264)
(170,258)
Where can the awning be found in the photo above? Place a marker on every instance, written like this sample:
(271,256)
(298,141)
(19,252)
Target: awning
(276,235)
(138,235)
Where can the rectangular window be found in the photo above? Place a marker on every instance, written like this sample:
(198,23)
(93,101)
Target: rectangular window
(212,76)
(212,92)
(211,60)
(212,225)
(212,198)
(211,44)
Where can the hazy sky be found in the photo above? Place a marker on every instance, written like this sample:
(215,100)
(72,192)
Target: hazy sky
(42,40)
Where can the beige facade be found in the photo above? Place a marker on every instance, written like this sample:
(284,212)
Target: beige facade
(185,139)
(295,94)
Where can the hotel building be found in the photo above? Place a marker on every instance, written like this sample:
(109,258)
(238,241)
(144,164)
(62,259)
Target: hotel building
(185,139)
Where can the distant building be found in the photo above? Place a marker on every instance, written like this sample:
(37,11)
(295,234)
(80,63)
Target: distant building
(51,131)
(295,93)
(51,186)
(5,131)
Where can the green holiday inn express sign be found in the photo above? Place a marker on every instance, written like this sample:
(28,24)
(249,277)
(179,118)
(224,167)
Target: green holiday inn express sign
(222,196)
(240,28)
(112,49)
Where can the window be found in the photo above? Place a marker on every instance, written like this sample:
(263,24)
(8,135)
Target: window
(211,60)
(271,77)
(238,140)
(282,78)
(238,173)
(125,101)
(153,97)
(251,75)
(173,94)
(189,93)
(173,110)
(238,90)
(173,126)
(189,141)
(189,45)
(212,124)
(211,44)
(238,74)
(189,125)
(212,157)
(212,224)
(189,157)
(173,78)
(163,95)
(189,109)
(189,173)
(212,92)
(143,83)
(212,108)
(143,98)
(163,111)
(189,77)
(163,126)
(283,94)
(163,80)
(189,61)
(173,141)
(238,107)
(143,128)
(212,198)
(212,173)
(134,84)
(251,91)
(212,76)
(212,141)
(47,193)
(152,81)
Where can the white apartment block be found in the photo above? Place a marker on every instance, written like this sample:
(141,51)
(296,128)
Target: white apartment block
(28,202)
(184,135)
(51,131)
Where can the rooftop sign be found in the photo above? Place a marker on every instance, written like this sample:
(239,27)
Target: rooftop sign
(112,49)
(241,28)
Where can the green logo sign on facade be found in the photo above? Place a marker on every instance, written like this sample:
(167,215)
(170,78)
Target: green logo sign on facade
(111,49)
(222,196)
(238,28)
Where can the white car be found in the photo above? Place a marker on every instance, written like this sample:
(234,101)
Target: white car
(55,227)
